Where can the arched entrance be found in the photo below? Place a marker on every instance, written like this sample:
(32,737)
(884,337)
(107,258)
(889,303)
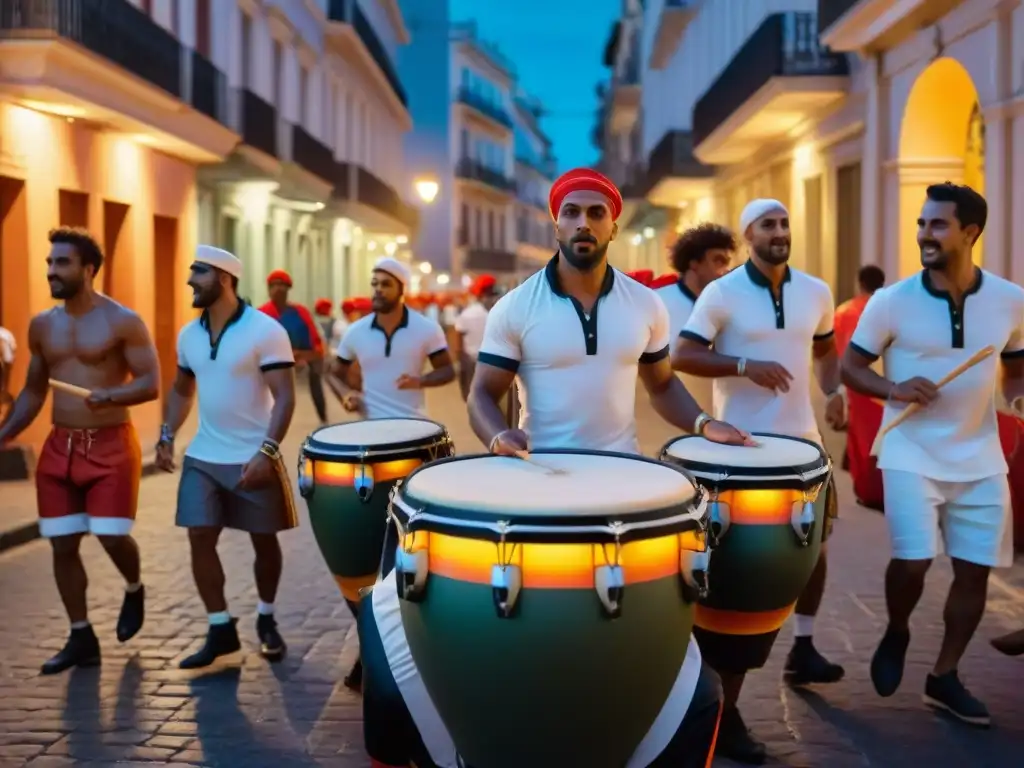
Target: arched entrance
(942,138)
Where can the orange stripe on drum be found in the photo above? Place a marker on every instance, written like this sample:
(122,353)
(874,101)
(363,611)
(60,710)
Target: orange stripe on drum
(350,585)
(714,737)
(769,506)
(553,566)
(337,473)
(741,622)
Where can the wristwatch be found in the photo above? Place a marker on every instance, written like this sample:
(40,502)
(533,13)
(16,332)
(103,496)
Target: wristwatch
(701,422)
(166,434)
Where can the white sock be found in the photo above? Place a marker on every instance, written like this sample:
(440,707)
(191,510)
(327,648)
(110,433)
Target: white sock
(803,626)
(79,624)
(265,609)
(220,618)
(131,588)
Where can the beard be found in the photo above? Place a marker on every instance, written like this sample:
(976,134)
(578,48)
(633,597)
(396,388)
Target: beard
(937,259)
(202,298)
(584,262)
(65,288)
(380,304)
(775,252)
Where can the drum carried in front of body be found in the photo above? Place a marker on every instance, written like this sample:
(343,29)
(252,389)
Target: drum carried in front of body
(346,473)
(766,509)
(542,607)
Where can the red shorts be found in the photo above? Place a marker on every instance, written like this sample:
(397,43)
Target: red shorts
(87,481)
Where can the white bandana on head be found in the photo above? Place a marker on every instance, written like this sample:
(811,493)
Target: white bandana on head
(219,258)
(756,209)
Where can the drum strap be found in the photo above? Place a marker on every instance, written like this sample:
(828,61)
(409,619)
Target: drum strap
(672,712)
(388,614)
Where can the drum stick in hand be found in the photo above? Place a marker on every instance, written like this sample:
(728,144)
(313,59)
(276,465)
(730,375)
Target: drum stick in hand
(525,456)
(913,408)
(71,389)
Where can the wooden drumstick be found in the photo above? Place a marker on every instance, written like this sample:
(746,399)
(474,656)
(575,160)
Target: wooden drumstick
(913,408)
(70,389)
(525,456)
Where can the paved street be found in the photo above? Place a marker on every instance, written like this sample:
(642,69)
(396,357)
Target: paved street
(140,709)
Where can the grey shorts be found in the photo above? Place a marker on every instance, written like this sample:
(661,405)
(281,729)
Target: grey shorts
(208,497)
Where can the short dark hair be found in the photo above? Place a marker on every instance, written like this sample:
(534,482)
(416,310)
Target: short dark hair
(870,278)
(696,241)
(969,206)
(89,251)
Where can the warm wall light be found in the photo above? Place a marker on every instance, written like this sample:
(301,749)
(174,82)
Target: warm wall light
(637,239)
(649,233)
(427,189)
(390,248)
(426,267)
(61,110)
(443,279)
(401,239)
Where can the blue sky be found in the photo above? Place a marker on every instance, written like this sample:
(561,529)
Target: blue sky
(557,47)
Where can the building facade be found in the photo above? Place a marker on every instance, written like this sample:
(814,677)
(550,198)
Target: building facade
(843,110)
(534,172)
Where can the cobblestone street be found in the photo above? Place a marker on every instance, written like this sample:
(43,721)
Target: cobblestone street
(138,708)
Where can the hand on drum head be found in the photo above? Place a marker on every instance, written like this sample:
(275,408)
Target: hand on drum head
(916,390)
(720,432)
(352,402)
(511,442)
(771,376)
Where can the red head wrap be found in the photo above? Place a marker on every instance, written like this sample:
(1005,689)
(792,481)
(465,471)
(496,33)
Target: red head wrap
(348,305)
(584,180)
(279,276)
(482,285)
(362,304)
(323,307)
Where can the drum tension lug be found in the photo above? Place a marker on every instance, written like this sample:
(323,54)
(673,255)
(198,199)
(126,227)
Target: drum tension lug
(610,582)
(693,571)
(718,520)
(803,521)
(363,482)
(506,584)
(411,570)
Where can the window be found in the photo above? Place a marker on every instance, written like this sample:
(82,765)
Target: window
(301,117)
(464,143)
(478,230)
(175,26)
(501,232)
(203,27)
(246,52)
(490,229)
(278,65)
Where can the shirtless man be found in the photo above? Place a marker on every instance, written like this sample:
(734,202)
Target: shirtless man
(87,478)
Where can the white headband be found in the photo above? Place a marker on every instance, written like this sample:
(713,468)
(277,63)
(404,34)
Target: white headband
(756,209)
(219,258)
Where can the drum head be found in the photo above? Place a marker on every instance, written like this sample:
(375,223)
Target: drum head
(586,488)
(377,435)
(774,455)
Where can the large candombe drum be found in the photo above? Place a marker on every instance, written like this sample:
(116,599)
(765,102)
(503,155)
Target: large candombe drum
(766,506)
(549,614)
(346,473)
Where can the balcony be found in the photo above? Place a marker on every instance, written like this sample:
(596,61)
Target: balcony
(778,79)
(490,260)
(871,25)
(671,19)
(357,40)
(373,192)
(545,166)
(311,155)
(259,123)
(472,170)
(624,107)
(491,112)
(108,62)
(673,173)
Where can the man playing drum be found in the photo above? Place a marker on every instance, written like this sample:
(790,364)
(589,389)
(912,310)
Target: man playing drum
(754,331)
(239,361)
(944,469)
(392,346)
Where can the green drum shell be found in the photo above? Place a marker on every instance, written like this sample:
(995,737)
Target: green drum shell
(348,530)
(559,683)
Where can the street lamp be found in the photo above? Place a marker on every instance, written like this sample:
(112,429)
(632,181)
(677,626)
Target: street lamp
(427,189)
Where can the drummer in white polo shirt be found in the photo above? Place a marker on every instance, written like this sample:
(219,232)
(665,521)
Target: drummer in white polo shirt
(755,331)
(701,255)
(392,346)
(944,468)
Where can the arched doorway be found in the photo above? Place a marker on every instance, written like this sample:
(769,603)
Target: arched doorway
(942,138)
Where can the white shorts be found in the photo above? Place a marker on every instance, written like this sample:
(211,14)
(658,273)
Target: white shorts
(974,518)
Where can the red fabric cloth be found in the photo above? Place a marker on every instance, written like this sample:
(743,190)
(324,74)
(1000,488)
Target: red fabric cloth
(643,276)
(583,179)
(847,315)
(315,341)
(483,284)
(662,280)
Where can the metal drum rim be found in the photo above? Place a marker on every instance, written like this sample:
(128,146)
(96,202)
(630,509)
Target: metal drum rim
(800,475)
(412,515)
(317,450)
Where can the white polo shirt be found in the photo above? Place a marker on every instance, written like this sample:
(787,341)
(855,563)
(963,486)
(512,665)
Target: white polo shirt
(577,373)
(471,323)
(383,359)
(679,301)
(740,315)
(235,402)
(919,331)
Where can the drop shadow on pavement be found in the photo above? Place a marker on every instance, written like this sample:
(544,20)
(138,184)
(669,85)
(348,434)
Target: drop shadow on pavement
(303,704)
(82,718)
(227,737)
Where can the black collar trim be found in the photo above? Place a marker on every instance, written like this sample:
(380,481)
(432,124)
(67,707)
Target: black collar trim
(588,324)
(403,323)
(757,277)
(204,321)
(957,314)
(685,289)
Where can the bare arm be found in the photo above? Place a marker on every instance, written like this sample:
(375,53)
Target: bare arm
(826,364)
(698,358)
(282,387)
(37,383)
(5,377)
(337,376)
(669,397)
(178,403)
(140,356)
(858,375)
(490,384)
(443,371)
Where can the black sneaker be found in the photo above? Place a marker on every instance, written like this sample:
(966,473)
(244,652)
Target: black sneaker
(806,666)
(736,742)
(133,614)
(947,693)
(81,650)
(354,679)
(272,645)
(221,639)
(887,663)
